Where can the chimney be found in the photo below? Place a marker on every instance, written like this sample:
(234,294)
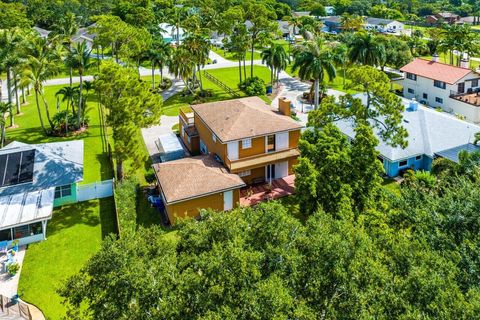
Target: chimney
(464,63)
(284,106)
(435,57)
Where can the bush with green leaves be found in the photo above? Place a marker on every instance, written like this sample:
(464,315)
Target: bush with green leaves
(13,268)
(253,86)
(126,203)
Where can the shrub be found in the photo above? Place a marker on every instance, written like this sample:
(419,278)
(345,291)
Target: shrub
(253,86)
(13,268)
(150,174)
(126,203)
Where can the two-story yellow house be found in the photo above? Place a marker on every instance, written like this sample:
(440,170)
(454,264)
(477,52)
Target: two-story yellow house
(248,137)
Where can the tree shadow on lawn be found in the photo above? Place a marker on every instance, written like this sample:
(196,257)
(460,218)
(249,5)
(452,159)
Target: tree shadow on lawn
(70,215)
(90,213)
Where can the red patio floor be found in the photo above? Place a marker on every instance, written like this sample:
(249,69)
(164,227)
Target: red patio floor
(252,195)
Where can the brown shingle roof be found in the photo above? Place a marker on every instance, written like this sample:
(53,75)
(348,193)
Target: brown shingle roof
(243,118)
(436,70)
(194,177)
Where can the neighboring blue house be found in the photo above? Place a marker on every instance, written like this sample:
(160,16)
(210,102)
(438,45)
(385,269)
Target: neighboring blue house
(33,180)
(431,134)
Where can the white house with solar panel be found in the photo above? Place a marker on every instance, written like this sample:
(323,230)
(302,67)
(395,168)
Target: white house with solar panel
(431,134)
(35,178)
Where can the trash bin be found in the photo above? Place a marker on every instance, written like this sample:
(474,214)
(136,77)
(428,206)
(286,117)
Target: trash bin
(269,89)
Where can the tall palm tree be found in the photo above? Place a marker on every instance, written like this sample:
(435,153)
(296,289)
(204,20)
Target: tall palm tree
(79,59)
(182,65)
(158,55)
(42,64)
(365,49)
(340,57)
(277,59)
(4,108)
(10,45)
(314,61)
(65,29)
(199,48)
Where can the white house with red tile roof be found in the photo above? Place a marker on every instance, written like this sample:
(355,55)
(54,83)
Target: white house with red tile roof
(435,84)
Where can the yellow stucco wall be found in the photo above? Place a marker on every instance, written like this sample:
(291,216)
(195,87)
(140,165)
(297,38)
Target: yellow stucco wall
(191,208)
(206,136)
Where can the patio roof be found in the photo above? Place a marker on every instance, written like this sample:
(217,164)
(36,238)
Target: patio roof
(452,154)
(25,208)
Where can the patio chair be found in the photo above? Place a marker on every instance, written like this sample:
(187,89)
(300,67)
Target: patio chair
(3,247)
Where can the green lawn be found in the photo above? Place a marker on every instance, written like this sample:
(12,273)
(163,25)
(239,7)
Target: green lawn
(30,131)
(229,76)
(74,235)
(230,56)
(75,231)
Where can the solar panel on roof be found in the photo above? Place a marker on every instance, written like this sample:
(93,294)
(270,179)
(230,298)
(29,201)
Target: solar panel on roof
(26,169)
(16,168)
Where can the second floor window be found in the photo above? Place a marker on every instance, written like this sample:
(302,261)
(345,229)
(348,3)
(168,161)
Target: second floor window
(412,76)
(271,143)
(246,143)
(439,84)
(439,100)
(411,91)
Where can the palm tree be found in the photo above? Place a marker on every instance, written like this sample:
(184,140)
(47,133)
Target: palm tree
(340,56)
(313,61)
(182,65)
(351,22)
(68,94)
(79,59)
(66,28)
(4,108)
(10,44)
(158,55)
(277,59)
(365,49)
(42,64)
(199,48)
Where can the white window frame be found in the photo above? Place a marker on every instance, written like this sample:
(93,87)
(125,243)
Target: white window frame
(245,173)
(246,143)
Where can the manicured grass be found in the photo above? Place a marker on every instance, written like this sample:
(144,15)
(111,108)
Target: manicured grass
(74,235)
(229,76)
(230,56)
(95,147)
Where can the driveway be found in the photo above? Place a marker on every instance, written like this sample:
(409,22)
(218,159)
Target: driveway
(151,134)
(293,89)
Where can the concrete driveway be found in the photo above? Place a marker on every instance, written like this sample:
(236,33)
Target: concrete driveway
(151,134)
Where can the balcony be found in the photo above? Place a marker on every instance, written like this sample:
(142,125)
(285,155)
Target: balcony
(259,160)
(472,98)
(186,115)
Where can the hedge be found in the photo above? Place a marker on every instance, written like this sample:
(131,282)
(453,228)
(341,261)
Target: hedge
(125,203)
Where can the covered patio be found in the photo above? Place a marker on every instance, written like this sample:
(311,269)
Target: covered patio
(252,195)
(24,216)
